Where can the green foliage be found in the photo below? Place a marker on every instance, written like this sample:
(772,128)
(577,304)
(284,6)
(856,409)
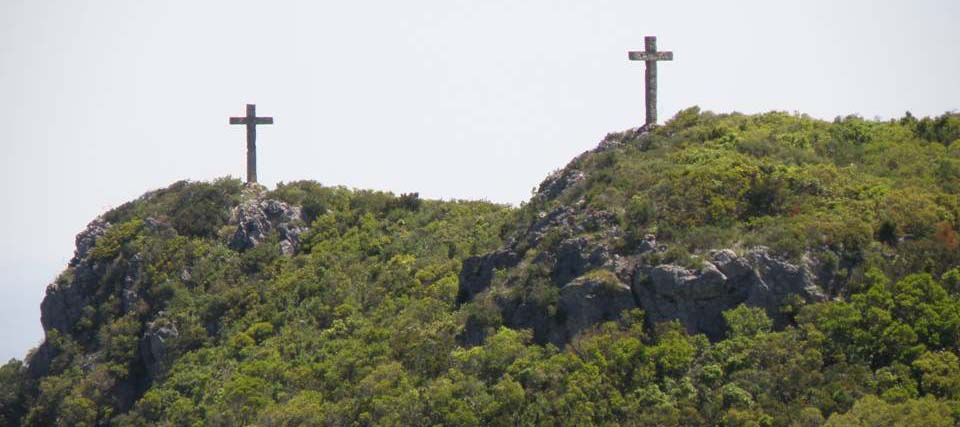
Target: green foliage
(871,411)
(788,182)
(640,213)
(110,244)
(361,325)
(889,323)
(201,209)
(939,374)
(746,321)
(195,209)
(944,129)
(14,388)
(78,411)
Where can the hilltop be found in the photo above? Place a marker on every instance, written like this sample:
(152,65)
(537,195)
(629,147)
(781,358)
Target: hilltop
(721,269)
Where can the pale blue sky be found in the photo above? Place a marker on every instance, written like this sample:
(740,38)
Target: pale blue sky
(104,100)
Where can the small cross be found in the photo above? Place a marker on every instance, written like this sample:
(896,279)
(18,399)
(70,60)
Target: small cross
(251,120)
(651,56)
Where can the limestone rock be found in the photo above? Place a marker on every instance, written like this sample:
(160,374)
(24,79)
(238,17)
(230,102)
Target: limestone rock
(558,182)
(562,219)
(647,244)
(589,302)
(582,303)
(566,222)
(155,344)
(88,238)
(777,279)
(477,272)
(695,297)
(568,241)
(698,298)
(62,306)
(564,179)
(256,218)
(128,294)
(576,256)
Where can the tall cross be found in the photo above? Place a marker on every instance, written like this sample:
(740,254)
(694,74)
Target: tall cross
(651,56)
(251,120)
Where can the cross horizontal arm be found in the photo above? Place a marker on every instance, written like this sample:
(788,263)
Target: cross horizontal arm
(256,120)
(647,56)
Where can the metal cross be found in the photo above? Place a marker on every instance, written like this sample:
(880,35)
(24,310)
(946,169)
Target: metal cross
(651,56)
(251,120)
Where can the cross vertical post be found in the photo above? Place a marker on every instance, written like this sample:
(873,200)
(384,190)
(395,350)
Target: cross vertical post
(650,56)
(251,121)
(650,46)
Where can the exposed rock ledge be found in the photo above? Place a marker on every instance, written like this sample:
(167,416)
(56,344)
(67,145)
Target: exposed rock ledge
(256,218)
(699,297)
(695,297)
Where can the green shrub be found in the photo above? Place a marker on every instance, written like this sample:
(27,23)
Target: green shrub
(746,321)
(111,243)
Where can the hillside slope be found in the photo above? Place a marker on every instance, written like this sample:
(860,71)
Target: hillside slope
(709,212)
(768,270)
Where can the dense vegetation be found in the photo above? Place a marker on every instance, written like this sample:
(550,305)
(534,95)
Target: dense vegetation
(856,188)
(360,326)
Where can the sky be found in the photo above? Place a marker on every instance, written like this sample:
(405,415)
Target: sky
(101,101)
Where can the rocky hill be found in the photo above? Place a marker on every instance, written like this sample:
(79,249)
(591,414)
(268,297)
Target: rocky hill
(718,270)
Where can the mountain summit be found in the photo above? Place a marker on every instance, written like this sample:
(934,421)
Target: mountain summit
(765,270)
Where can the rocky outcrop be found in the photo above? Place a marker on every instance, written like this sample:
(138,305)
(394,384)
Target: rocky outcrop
(129,294)
(576,256)
(62,306)
(83,283)
(588,302)
(698,297)
(558,182)
(155,345)
(776,279)
(477,272)
(561,249)
(581,304)
(87,238)
(569,243)
(562,180)
(257,218)
(573,257)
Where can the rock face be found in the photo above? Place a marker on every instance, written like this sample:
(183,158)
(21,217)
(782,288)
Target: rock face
(62,306)
(91,281)
(155,344)
(574,257)
(477,273)
(589,302)
(86,283)
(87,239)
(569,257)
(559,181)
(697,298)
(257,218)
